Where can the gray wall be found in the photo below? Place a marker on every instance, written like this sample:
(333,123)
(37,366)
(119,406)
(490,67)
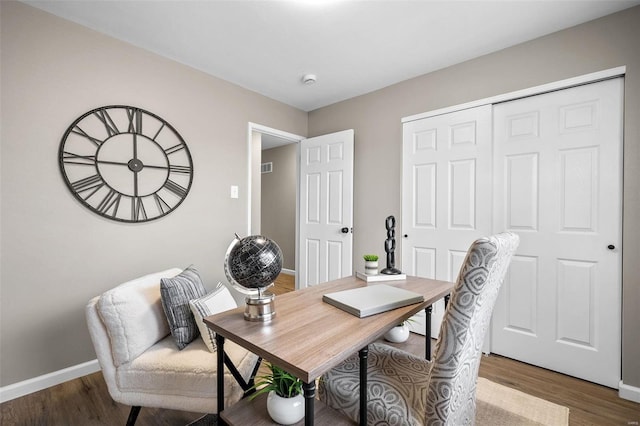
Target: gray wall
(56,254)
(605,43)
(279,200)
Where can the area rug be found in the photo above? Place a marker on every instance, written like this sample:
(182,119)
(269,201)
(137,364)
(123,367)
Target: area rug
(497,405)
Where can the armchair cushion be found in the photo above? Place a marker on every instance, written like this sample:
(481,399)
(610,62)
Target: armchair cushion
(176,293)
(189,373)
(219,300)
(133,316)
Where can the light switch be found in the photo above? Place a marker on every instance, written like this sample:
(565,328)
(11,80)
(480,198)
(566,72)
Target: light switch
(234,191)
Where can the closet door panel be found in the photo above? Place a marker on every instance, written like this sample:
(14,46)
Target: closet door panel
(557,183)
(446,195)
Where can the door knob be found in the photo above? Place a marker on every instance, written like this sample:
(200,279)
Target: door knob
(345,230)
(406,235)
(611,247)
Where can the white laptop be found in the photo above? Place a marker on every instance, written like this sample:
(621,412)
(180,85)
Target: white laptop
(365,301)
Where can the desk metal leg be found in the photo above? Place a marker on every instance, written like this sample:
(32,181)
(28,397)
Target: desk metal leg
(309,390)
(427,336)
(427,341)
(364,357)
(220,373)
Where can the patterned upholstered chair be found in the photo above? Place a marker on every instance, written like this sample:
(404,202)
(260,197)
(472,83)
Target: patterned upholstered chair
(407,390)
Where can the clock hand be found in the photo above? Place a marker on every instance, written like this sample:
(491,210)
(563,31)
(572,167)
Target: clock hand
(135,184)
(185,170)
(134,165)
(151,166)
(135,147)
(138,164)
(117,163)
(81,160)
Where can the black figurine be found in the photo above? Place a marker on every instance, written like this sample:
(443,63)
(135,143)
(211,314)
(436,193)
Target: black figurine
(390,247)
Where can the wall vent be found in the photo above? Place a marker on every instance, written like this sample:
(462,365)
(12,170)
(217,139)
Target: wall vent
(266,167)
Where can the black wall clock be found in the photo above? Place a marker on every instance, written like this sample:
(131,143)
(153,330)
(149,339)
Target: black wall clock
(125,163)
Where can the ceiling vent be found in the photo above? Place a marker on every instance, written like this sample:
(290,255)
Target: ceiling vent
(266,167)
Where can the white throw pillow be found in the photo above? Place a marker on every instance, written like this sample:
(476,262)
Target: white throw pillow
(132,314)
(219,300)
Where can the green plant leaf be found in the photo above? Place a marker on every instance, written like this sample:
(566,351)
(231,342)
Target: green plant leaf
(282,383)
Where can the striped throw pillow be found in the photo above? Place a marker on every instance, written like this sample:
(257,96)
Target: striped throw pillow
(176,293)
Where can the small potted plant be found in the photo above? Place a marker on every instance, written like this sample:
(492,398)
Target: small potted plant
(399,333)
(285,403)
(370,264)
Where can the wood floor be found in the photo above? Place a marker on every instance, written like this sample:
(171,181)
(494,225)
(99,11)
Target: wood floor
(86,401)
(283,284)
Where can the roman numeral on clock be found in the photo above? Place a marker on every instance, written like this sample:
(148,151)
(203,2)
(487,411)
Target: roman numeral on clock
(83,160)
(185,170)
(110,202)
(179,190)
(138,211)
(90,183)
(106,119)
(161,203)
(135,120)
(78,131)
(174,149)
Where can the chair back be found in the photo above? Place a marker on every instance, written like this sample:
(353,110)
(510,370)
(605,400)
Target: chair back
(451,395)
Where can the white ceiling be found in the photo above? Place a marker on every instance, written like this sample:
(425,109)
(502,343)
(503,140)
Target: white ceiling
(354,47)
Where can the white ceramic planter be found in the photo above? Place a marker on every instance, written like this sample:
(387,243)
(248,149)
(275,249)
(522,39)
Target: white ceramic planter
(398,334)
(285,411)
(371,267)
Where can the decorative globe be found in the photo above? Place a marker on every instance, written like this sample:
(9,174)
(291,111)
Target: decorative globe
(252,263)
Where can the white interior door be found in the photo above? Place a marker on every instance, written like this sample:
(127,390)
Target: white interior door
(326,208)
(446,195)
(558,178)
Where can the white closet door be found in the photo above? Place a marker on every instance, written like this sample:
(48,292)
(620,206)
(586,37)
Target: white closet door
(446,195)
(558,178)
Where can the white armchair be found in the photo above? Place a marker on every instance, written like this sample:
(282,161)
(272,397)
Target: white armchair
(140,361)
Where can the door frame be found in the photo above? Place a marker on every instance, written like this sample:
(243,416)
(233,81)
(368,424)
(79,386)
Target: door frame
(259,128)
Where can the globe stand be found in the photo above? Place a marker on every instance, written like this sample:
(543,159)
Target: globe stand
(261,308)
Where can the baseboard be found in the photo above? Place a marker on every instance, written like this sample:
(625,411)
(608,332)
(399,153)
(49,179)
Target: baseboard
(16,390)
(288,271)
(631,393)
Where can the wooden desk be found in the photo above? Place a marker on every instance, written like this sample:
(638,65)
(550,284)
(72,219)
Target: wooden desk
(308,337)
